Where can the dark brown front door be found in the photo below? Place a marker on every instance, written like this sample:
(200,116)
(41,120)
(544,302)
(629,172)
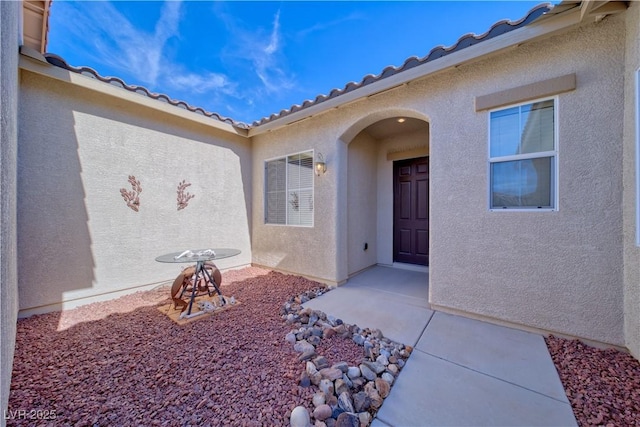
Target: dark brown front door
(411,211)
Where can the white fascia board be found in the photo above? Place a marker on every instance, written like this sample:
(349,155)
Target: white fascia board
(34,65)
(546,27)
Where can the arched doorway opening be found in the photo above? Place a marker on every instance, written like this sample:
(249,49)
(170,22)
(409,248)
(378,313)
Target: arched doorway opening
(387,194)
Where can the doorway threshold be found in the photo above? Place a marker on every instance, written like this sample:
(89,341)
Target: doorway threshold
(412,267)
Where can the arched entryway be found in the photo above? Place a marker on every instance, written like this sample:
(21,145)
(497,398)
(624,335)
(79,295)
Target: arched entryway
(387,191)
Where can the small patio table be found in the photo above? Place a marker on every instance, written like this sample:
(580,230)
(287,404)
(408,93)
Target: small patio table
(200,257)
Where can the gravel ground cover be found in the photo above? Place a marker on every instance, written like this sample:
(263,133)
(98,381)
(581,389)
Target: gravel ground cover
(603,386)
(122,362)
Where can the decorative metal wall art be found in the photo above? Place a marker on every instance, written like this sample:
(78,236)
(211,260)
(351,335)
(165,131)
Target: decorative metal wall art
(132,198)
(183,196)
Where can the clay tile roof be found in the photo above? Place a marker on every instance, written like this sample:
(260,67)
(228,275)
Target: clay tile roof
(467,40)
(497,29)
(90,72)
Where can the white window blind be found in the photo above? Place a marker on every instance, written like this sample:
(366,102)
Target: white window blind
(289,190)
(276,192)
(522,157)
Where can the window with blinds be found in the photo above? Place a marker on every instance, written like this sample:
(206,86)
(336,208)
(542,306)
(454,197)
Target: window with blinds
(523,156)
(289,190)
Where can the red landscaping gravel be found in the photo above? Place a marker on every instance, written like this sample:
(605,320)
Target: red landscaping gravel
(123,362)
(603,386)
(337,349)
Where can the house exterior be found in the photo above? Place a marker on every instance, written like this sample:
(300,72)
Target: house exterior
(508,163)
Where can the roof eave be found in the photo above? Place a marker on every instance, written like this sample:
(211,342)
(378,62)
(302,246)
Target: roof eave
(33,61)
(35,24)
(544,27)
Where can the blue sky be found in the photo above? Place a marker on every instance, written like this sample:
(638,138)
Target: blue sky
(247,60)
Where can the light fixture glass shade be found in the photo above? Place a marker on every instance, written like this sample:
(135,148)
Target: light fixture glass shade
(321,166)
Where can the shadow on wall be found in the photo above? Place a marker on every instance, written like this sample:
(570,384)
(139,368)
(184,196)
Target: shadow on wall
(165,149)
(237,157)
(77,237)
(54,243)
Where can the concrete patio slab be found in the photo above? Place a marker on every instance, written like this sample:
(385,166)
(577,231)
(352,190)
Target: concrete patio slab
(508,354)
(462,371)
(395,281)
(434,392)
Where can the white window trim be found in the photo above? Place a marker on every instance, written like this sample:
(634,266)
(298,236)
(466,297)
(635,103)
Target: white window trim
(313,188)
(554,153)
(637,136)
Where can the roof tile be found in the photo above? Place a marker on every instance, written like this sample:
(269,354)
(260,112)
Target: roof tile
(90,72)
(467,40)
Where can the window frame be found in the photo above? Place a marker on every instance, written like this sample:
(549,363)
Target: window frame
(313,189)
(554,154)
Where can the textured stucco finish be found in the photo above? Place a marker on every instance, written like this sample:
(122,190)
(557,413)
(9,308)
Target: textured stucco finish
(370,196)
(362,201)
(305,250)
(631,250)
(77,238)
(322,251)
(557,271)
(9,16)
(573,271)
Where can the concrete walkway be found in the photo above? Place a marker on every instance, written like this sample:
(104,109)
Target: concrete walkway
(462,372)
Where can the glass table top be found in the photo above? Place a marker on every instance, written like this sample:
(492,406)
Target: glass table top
(198,255)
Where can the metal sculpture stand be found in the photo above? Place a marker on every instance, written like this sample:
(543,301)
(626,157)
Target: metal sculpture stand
(201,274)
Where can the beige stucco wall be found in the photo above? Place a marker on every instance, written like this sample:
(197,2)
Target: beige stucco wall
(305,250)
(9,16)
(370,195)
(631,250)
(362,202)
(77,238)
(558,271)
(322,251)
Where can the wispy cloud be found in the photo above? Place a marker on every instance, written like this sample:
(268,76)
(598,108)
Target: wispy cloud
(202,83)
(321,26)
(115,42)
(272,47)
(263,48)
(166,27)
(106,37)
(112,40)
(267,61)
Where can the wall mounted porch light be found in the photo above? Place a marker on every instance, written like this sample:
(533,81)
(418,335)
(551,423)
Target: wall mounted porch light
(321,166)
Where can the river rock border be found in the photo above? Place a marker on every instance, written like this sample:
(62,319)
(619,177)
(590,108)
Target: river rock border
(346,395)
